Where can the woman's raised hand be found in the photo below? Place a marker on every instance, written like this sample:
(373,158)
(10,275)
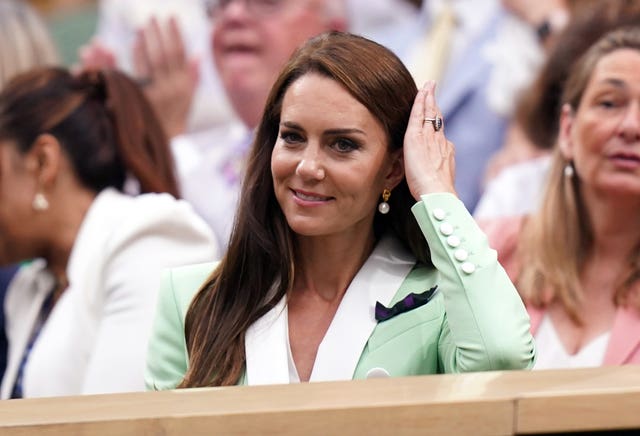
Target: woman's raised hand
(429,161)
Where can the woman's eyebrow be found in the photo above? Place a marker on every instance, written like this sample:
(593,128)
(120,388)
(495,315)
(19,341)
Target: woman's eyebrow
(618,83)
(344,131)
(291,125)
(337,131)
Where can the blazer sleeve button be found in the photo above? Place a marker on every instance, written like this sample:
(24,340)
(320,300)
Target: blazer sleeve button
(461,254)
(439,214)
(446,229)
(453,241)
(468,268)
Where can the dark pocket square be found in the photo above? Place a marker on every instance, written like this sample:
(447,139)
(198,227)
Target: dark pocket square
(410,302)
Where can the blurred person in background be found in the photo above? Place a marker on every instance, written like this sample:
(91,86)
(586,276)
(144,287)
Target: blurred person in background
(24,40)
(528,33)
(123,24)
(483,55)
(576,260)
(382,20)
(450,44)
(25,43)
(523,163)
(79,316)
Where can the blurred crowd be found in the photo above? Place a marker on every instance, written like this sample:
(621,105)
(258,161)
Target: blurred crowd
(131,158)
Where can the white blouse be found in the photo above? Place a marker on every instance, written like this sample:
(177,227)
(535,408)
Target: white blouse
(551,353)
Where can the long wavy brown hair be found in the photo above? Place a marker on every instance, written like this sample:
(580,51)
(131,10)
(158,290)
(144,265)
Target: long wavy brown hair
(258,268)
(558,239)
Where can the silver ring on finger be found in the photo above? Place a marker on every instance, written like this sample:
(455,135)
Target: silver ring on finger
(436,122)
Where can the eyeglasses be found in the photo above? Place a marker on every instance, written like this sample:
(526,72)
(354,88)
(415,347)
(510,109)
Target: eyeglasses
(255,7)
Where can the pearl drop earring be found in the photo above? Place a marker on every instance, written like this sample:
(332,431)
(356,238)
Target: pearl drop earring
(568,170)
(40,202)
(384,207)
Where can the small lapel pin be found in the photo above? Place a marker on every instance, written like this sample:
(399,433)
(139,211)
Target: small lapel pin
(377,373)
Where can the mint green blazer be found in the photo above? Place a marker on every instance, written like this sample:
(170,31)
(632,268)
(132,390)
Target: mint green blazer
(475,321)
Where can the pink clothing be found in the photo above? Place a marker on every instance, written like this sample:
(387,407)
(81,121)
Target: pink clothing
(624,343)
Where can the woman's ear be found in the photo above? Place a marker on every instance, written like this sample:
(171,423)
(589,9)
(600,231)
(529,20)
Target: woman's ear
(396,169)
(44,159)
(565,142)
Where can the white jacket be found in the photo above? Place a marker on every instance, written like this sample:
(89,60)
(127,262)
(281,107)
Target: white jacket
(95,338)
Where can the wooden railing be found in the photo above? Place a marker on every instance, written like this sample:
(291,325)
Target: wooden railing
(597,399)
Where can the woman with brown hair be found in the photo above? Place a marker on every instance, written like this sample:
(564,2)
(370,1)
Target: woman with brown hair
(576,261)
(328,276)
(78,318)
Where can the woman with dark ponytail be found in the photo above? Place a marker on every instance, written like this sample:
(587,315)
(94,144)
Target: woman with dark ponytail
(79,317)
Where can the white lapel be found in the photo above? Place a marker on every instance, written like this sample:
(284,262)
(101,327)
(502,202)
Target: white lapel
(85,266)
(266,348)
(378,280)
